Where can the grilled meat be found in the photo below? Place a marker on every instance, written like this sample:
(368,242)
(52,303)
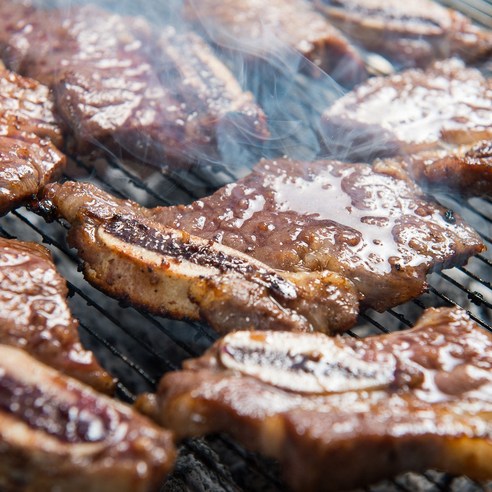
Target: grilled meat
(304,220)
(27,45)
(27,109)
(375,227)
(170,271)
(466,169)
(275,30)
(427,115)
(409,112)
(122,85)
(409,33)
(34,314)
(342,412)
(28,135)
(58,434)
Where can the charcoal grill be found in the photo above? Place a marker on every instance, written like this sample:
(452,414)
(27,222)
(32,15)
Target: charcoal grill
(138,348)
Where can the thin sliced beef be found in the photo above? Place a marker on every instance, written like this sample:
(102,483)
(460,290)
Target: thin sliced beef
(157,94)
(169,271)
(373,226)
(338,223)
(411,111)
(34,314)
(340,413)
(58,434)
(29,106)
(409,33)
(28,135)
(423,117)
(274,31)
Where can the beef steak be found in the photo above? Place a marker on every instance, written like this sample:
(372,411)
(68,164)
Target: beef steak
(340,413)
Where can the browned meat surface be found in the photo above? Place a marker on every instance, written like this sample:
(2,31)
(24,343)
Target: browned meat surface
(410,33)
(271,30)
(169,271)
(411,111)
(27,109)
(466,169)
(432,113)
(120,84)
(58,434)
(28,135)
(27,44)
(373,227)
(376,228)
(341,412)
(34,314)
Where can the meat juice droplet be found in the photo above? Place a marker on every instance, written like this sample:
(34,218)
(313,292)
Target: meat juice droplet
(324,199)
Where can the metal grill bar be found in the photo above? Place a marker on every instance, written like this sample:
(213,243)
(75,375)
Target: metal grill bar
(485,260)
(477,212)
(475,297)
(479,10)
(170,365)
(111,334)
(202,450)
(450,302)
(118,354)
(128,395)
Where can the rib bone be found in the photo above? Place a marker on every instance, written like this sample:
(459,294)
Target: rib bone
(169,271)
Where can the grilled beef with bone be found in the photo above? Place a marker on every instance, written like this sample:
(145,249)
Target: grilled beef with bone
(34,314)
(117,83)
(275,30)
(58,434)
(444,112)
(343,412)
(170,271)
(28,135)
(409,33)
(376,229)
(372,225)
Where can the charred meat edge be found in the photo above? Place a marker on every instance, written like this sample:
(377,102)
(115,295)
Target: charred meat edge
(35,316)
(169,271)
(59,434)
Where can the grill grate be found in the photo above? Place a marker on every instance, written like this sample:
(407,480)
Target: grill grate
(139,348)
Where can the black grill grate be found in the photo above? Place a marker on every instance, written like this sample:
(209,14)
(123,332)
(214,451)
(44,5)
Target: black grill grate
(138,347)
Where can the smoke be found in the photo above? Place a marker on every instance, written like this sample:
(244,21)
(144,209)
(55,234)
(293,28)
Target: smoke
(291,90)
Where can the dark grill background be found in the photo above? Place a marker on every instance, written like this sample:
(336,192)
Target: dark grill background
(138,348)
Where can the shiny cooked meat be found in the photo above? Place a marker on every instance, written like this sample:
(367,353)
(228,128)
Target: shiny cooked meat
(274,31)
(169,271)
(157,94)
(412,111)
(373,226)
(466,169)
(28,135)
(342,412)
(442,110)
(58,434)
(28,106)
(34,314)
(408,33)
